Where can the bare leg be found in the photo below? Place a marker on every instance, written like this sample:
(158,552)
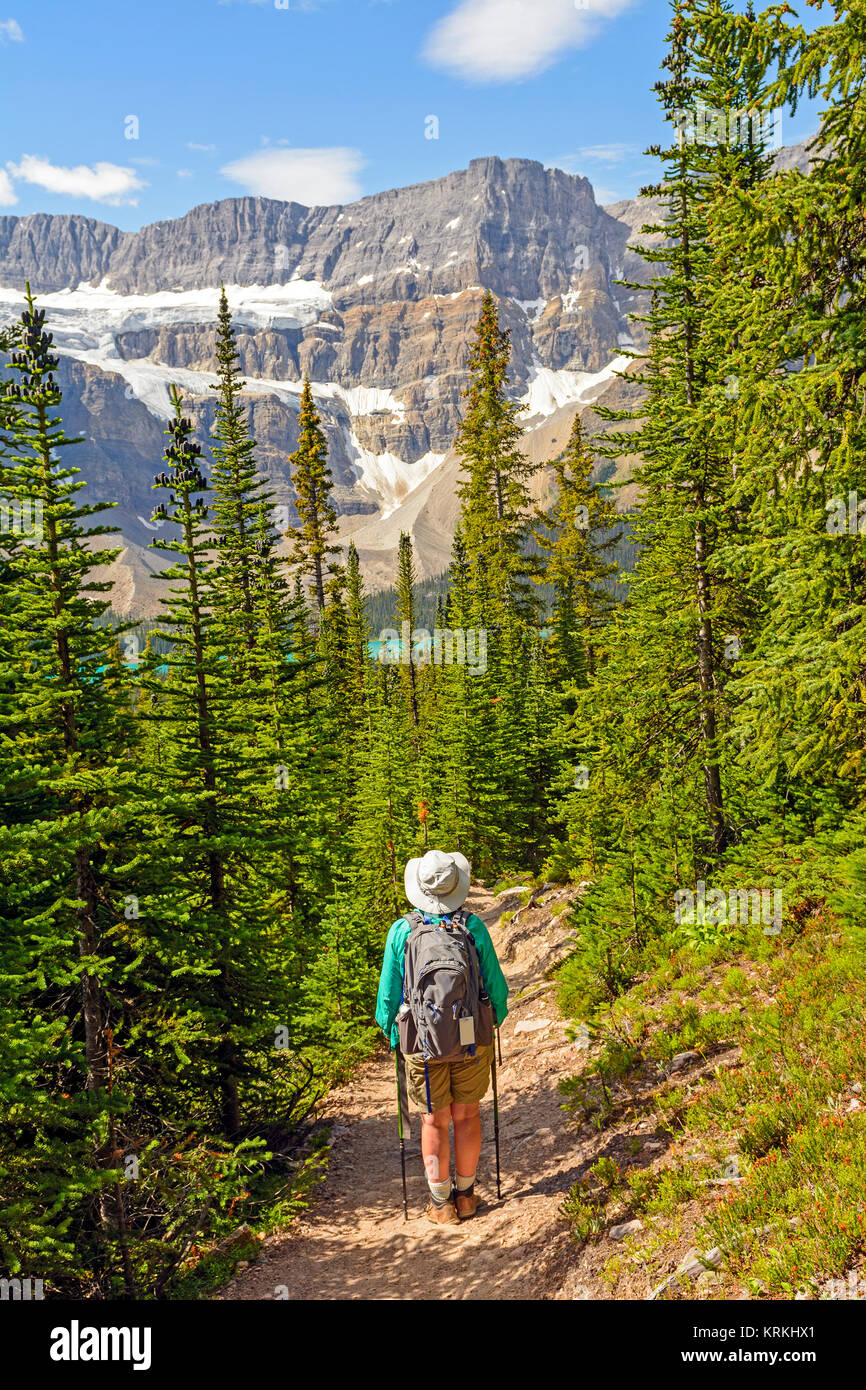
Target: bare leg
(434,1144)
(467,1136)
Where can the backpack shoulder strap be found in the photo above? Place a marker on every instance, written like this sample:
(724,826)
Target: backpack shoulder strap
(461,919)
(415,919)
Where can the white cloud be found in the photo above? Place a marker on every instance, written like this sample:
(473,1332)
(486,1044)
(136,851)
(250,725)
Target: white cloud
(289,5)
(103,183)
(607,154)
(503,40)
(603,196)
(315,178)
(10,31)
(208,149)
(7,192)
(186,173)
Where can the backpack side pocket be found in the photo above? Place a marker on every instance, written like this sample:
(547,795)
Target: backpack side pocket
(484,1029)
(407,1031)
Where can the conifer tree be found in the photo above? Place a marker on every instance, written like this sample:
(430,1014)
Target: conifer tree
(255,628)
(239,495)
(406,615)
(342,979)
(383,832)
(681,611)
(208,899)
(357,637)
(573,540)
(467,789)
(494,485)
(312,548)
(69,798)
(791,251)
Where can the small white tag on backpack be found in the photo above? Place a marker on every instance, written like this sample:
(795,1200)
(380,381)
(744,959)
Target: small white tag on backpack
(467,1031)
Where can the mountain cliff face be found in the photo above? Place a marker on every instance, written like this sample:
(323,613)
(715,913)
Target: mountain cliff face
(375,301)
(508,224)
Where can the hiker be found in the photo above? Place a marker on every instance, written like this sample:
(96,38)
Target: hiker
(447,1034)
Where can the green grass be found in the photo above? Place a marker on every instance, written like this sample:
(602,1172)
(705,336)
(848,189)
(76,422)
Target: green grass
(794,1006)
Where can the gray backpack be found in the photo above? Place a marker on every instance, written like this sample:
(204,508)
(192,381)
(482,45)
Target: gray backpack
(446,1013)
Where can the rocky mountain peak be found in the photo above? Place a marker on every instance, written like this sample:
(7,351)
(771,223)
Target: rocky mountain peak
(375,301)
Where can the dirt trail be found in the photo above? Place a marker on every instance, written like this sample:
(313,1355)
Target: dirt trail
(353,1243)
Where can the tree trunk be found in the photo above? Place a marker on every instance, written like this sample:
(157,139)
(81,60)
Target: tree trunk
(706,681)
(320,584)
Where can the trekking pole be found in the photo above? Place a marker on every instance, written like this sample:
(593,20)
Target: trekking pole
(400,1132)
(499,1045)
(496,1128)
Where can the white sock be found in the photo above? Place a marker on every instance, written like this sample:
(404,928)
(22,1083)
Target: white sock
(441,1191)
(465,1184)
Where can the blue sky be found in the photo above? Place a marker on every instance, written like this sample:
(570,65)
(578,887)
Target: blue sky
(133,112)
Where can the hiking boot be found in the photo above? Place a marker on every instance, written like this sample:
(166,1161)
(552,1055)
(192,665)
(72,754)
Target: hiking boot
(446,1215)
(467,1204)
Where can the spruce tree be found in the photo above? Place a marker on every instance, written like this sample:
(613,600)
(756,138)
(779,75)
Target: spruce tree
(312,547)
(574,538)
(790,249)
(357,638)
(383,831)
(406,616)
(208,894)
(682,611)
(258,628)
(70,802)
(494,485)
(239,495)
(468,796)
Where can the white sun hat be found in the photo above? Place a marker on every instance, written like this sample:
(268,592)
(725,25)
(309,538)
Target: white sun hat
(438,882)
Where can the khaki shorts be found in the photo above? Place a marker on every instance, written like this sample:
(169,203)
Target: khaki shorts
(464,1081)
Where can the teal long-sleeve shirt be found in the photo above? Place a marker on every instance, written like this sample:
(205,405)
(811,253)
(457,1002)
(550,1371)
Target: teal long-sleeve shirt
(391,980)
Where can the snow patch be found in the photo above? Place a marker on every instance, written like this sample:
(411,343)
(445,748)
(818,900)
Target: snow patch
(569,301)
(532,308)
(362,400)
(150,382)
(388,477)
(453,224)
(90,317)
(549,390)
(86,321)
(365,280)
